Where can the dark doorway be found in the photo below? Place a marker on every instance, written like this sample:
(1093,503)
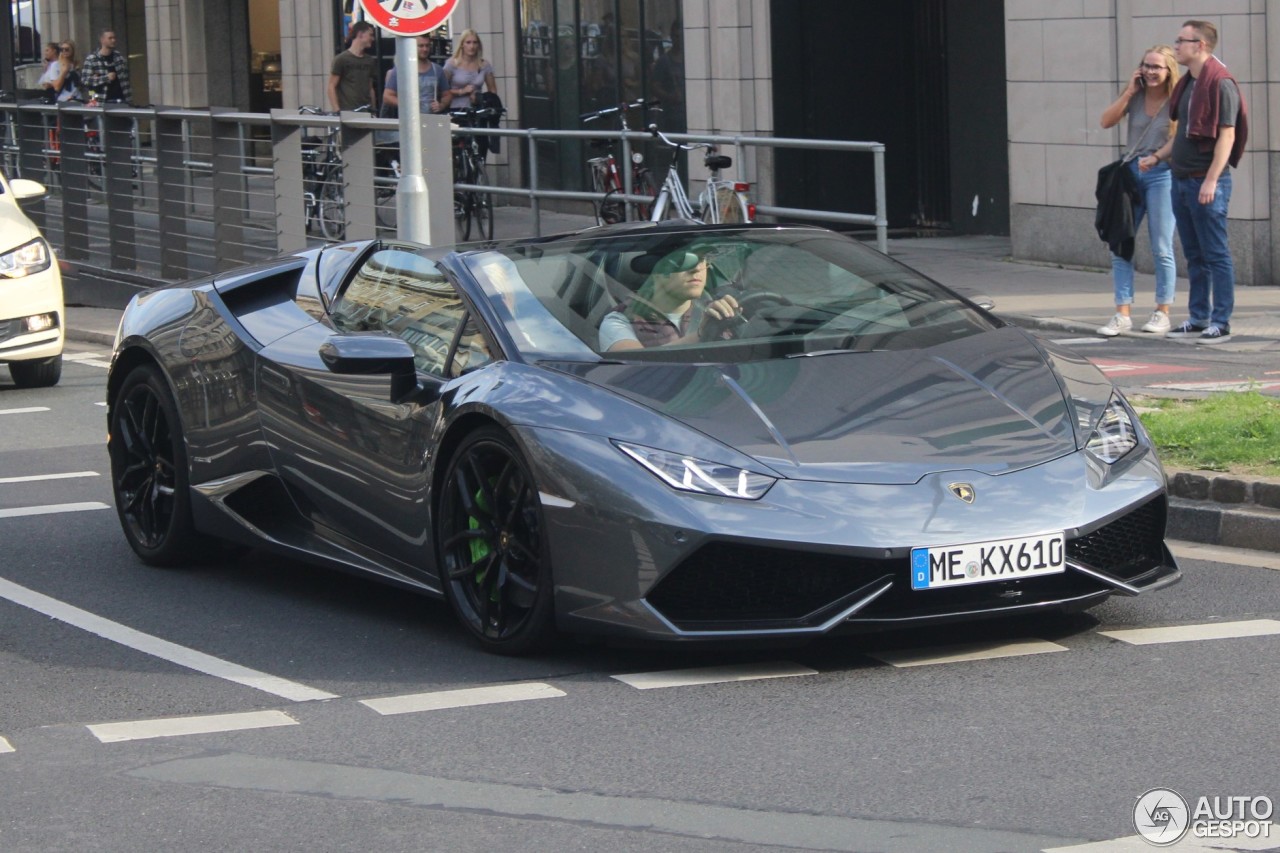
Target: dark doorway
(886,72)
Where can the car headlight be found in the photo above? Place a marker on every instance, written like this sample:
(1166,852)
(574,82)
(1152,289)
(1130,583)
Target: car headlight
(1115,433)
(698,475)
(28,259)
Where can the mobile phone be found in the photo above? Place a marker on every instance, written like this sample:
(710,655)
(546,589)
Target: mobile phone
(1142,79)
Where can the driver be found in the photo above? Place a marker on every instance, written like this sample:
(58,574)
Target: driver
(669,308)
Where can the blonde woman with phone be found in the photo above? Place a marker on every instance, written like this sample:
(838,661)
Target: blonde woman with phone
(1145,101)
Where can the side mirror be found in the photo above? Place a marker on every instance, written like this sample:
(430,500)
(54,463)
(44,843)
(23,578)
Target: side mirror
(986,303)
(373,355)
(25,189)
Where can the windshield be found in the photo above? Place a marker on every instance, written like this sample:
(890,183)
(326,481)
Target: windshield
(715,295)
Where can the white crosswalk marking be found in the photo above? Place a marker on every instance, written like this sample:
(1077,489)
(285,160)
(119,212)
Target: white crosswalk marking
(93,359)
(156,647)
(177,726)
(713,675)
(51,509)
(25,411)
(966,652)
(1190,633)
(36,478)
(465,698)
(5,746)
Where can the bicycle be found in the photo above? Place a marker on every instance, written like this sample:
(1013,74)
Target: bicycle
(471,206)
(605,176)
(322,180)
(721,201)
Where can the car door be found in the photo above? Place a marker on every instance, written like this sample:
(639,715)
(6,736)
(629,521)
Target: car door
(352,447)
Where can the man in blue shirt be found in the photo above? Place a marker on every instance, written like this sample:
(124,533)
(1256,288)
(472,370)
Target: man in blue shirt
(433,94)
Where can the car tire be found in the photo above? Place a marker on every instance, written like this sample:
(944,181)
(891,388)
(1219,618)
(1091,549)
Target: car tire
(39,373)
(492,548)
(149,475)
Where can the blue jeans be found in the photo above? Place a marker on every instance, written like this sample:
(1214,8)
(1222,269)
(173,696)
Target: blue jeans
(1157,204)
(1203,231)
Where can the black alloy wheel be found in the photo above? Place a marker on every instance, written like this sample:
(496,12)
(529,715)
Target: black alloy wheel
(494,559)
(149,471)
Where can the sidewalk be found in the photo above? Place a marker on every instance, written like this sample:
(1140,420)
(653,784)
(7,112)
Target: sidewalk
(1217,510)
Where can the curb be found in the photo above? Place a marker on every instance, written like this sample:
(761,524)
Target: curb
(89,337)
(1225,510)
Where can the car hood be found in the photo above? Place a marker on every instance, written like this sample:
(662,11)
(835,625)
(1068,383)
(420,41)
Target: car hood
(989,402)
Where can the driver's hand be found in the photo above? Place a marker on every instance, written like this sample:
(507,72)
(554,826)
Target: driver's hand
(723,308)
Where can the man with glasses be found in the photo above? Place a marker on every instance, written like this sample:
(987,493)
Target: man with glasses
(1213,127)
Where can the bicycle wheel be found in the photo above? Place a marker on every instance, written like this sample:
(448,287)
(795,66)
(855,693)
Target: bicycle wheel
(609,212)
(482,206)
(461,222)
(93,161)
(333,223)
(643,186)
(730,204)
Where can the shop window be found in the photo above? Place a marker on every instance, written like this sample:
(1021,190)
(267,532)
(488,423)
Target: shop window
(577,56)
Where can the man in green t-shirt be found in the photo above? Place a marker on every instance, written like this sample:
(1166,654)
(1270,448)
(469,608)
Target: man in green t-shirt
(352,75)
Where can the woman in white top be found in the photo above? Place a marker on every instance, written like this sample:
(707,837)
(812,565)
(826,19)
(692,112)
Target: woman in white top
(467,72)
(1145,102)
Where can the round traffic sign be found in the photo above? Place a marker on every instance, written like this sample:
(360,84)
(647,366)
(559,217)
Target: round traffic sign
(409,17)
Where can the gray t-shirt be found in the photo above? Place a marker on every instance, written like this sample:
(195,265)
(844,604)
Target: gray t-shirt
(1153,131)
(1187,157)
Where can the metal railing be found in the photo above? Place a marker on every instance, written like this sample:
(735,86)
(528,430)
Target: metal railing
(171,194)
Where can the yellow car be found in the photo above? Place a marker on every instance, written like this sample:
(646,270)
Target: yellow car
(31,311)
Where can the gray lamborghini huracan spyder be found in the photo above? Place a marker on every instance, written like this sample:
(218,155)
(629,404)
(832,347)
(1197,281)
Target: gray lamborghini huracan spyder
(654,431)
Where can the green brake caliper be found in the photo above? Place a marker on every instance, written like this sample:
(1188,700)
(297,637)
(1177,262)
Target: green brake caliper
(479,547)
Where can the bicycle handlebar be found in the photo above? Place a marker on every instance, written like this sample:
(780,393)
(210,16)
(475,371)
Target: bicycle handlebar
(690,146)
(620,108)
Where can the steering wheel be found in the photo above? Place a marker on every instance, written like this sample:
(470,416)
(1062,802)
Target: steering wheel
(715,329)
(752,302)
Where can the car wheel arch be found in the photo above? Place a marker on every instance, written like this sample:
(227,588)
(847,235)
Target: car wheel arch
(126,361)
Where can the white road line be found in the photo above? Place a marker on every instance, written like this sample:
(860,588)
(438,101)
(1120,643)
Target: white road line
(27,411)
(1075,342)
(163,649)
(51,509)
(441,699)
(5,746)
(1190,633)
(713,675)
(84,354)
(178,726)
(1136,844)
(967,652)
(34,478)
(1219,554)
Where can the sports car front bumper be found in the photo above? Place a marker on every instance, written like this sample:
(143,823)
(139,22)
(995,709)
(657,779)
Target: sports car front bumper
(632,556)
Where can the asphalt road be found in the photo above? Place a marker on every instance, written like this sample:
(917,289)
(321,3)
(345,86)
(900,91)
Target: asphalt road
(266,705)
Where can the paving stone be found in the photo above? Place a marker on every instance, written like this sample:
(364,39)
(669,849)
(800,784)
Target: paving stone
(1267,494)
(1227,490)
(1192,486)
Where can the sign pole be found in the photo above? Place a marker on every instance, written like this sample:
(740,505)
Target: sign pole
(409,19)
(413,205)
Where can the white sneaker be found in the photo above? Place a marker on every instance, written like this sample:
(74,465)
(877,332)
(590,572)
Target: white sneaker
(1117,324)
(1159,323)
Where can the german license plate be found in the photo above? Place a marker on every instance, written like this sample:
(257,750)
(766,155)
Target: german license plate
(985,562)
